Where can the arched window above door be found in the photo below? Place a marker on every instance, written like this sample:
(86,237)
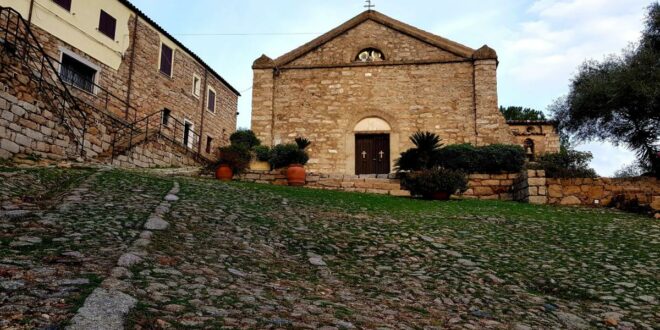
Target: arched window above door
(372,124)
(370,55)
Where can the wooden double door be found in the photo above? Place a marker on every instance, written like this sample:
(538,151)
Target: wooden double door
(372,154)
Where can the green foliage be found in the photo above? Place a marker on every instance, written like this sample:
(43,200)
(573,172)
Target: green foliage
(237,156)
(423,155)
(263,153)
(302,143)
(617,99)
(566,164)
(429,181)
(494,158)
(283,155)
(245,137)
(520,113)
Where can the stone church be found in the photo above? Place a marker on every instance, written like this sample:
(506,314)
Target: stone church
(359,91)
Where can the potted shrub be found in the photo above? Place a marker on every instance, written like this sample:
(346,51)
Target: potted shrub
(245,138)
(437,183)
(292,157)
(261,157)
(234,159)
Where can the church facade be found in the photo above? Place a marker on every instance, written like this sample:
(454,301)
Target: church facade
(359,91)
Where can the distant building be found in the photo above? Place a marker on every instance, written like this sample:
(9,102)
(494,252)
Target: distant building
(359,91)
(115,59)
(538,137)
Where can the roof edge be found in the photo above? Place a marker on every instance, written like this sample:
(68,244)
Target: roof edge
(160,29)
(430,38)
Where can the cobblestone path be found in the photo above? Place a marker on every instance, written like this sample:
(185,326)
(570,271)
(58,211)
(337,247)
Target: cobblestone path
(237,255)
(52,258)
(249,256)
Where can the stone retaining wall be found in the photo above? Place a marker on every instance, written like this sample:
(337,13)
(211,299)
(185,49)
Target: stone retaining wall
(601,191)
(157,152)
(530,187)
(381,184)
(480,186)
(490,186)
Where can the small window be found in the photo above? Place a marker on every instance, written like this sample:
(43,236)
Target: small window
(209,143)
(66,4)
(210,105)
(197,85)
(370,55)
(77,73)
(107,25)
(166,57)
(166,116)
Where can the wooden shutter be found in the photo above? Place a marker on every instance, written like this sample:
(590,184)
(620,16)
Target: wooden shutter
(166,60)
(66,4)
(211,104)
(107,25)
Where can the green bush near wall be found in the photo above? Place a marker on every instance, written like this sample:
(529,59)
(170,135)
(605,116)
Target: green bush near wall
(496,158)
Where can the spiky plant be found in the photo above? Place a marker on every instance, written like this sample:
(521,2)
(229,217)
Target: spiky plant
(426,141)
(303,143)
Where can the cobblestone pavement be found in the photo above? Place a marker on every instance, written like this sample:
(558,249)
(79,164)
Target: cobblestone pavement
(217,255)
(61,232)
(250,256)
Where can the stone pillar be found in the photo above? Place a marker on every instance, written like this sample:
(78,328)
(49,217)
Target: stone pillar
(262,99)
(490,125)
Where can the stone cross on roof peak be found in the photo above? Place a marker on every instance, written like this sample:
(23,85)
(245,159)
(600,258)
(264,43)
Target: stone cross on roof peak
(369,5)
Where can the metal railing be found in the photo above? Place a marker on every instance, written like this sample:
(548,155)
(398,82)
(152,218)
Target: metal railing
(76,99)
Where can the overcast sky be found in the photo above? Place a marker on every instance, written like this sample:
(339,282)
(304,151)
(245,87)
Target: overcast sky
(540,43)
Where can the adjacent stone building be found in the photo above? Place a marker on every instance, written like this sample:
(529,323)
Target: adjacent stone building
(123,66)
(359,91)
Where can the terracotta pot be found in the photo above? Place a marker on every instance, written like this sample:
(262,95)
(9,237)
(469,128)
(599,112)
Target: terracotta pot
(295,174)
(440,196)
(224,173)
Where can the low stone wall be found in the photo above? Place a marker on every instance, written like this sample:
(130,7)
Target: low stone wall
(490,186)
(480,186)
(155,153)
(530,187)
(601,191)
(382,184)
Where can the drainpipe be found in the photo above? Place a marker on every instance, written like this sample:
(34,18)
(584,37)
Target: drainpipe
(130,66)
(30,12)
(201,128)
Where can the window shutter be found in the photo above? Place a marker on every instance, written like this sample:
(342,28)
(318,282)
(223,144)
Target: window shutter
(166,60)
(107,25)
(66,4)
(211,104)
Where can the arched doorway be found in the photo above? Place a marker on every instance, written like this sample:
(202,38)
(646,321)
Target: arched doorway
(372,146)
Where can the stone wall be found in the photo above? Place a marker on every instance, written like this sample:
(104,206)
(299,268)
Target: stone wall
(480,186)
(490,186)
(382,184)
(157,152)
(530,187)
(601,191)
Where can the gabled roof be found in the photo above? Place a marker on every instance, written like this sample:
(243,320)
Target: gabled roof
(372,15)
(142,15)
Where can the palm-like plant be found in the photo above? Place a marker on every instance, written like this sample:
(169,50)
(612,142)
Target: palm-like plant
(423,156)
(303,143)
(426,141)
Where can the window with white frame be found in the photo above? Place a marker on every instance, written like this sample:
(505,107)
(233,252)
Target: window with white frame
(211,99)
(196,85)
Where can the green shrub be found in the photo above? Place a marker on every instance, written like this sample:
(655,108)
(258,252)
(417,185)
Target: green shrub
(495,158)
(236,156)
(283,155)
(427,182)
(566,164)
(245,137)
(263,153)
